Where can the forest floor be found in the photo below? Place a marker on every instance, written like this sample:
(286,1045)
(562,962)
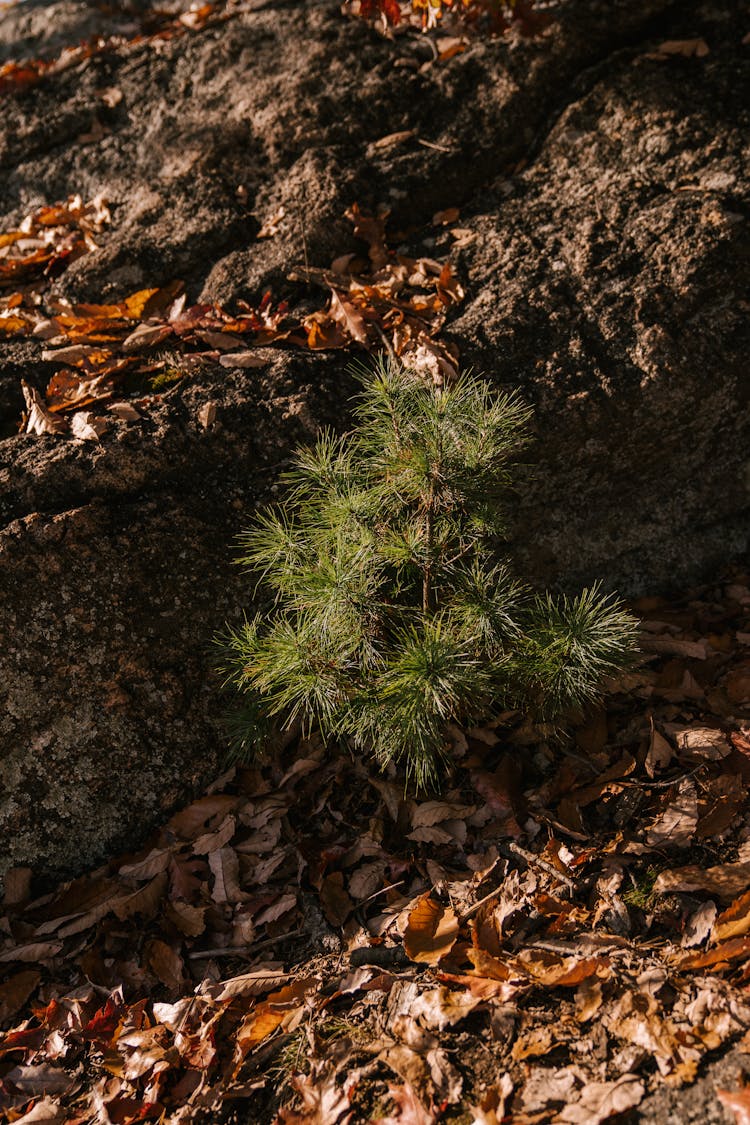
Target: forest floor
(560,935)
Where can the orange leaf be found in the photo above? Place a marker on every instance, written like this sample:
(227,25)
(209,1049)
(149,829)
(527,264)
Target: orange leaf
(431,931)
(257,1027)
(11,324)
(739,1103)
(728,951)
(136,302)
(735,921)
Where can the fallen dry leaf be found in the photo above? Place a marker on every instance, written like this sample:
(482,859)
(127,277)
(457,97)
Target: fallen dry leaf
(39,420)
(431,931)
(676,825)
(738,1101)
(600,1101)
(726,880)
(686,48)
(410,1110)
(347,318)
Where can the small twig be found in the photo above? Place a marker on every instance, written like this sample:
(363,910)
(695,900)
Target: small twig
(240,950)
(430,144)
(660,784)
(532,858)
(477,905)
(390,887)
(386,342)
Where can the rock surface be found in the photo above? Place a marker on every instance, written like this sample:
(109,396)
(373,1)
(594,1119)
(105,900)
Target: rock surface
(605,267)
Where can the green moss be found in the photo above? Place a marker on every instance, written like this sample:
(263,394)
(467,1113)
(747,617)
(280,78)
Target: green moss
(641,895)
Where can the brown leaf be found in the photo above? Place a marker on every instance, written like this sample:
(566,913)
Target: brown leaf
(492,1108)
(145,901)
(40,1079)
(703,742)
(567,972)
(40,421)
(323,332)
(157,860)
(257,983)
(535,1043)
(46,1111)
(391,140)
(225,867)
(687,48)
(15,991)
(166,964)
(699,926)
(191,820)
(277,909)
(444,218)
(257,1027)
(32,951)
(87,427)
(660,753)
(324,1102)
(212,841)
(347,318)
(189,920)
(738,1101)
(337,906)
(371,229)
(431,931)
(442,1007)
(146,336)
(410,1109)
(433,812)
(676,825)
(735,921)
(673,646)
(601,1100)
(726,880)
(727,951)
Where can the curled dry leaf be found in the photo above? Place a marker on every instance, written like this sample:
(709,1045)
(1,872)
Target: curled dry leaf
(686,48)
(348,318)
(409,1109)
(87,427)
(324,1101)
(431,931)
(39,420)
(492,1108)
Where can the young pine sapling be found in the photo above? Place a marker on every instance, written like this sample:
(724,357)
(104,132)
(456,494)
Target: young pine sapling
(393,613)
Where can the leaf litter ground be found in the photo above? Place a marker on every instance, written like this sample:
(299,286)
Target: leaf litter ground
(561,930)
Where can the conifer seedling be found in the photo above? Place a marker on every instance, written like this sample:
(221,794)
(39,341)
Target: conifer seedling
(393,612)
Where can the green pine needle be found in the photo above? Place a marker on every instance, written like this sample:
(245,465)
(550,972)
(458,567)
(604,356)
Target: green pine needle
(394,615)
